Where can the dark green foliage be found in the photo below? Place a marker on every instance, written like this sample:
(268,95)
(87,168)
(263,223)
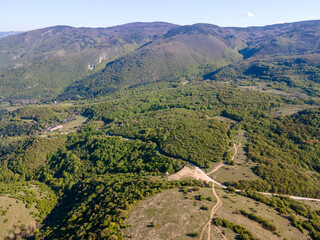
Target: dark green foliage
(86,155)
(193,235)
(101,178)
(18,128)
(21,159)
(178,119)
(179,133)
(31,120)
(244,233)
(154,92)
(206,208)
(95,208)
(263,222)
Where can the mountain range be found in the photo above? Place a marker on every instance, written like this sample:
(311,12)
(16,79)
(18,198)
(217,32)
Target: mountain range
(72,63)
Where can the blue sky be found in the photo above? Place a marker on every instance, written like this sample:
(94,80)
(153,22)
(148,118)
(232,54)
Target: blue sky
(32,14)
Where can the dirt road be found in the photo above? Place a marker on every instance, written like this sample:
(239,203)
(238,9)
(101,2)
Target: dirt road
(235,147)
(196,173)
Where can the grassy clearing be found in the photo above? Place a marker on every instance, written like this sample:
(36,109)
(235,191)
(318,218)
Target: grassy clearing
(17,215)
(173,215)
(74,124)
(69,127)
(243,168)
(263,87)
(235,173)
(288,109)
(232,202)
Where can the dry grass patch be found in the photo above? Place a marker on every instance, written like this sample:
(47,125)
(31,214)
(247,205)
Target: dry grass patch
(13,213)
(170,215)
(232,202)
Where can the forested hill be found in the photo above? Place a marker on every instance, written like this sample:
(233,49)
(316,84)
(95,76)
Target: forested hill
(192,51)
(85,62)
(41,63)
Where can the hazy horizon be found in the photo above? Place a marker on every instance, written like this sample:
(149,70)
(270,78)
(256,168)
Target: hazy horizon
(34,14)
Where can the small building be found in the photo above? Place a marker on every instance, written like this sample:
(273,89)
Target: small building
(51,129)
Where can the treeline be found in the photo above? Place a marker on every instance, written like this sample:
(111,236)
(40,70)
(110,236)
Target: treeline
(244,233)
(97,207)
(98,178)
(31,193)
(17,128)
(87,154)
(289,207)
(263,222)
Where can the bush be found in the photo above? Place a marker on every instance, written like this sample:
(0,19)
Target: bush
(193,235)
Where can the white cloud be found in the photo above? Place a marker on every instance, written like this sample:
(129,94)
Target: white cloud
(249,14)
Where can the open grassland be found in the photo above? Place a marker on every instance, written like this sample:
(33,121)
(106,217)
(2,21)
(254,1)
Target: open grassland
(173,214)
(14,215)
(238,172)
(232,202)
(289,109)
(170,215)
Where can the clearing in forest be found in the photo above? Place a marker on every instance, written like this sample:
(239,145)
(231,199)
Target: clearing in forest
(14,215)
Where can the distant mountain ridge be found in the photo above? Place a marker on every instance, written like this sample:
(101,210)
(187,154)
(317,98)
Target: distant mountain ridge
(43,62)
(86,62)
(4,34)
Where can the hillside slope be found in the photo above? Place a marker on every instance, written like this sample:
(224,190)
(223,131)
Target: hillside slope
(86,62)
(41,63)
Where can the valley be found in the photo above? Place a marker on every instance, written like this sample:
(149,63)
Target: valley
(160,131)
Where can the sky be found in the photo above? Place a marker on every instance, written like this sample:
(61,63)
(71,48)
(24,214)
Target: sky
(23,15)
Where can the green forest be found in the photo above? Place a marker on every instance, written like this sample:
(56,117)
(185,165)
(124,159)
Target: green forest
(105,174)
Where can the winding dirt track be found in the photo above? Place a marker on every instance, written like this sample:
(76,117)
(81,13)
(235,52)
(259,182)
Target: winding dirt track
(197,173)
(219,202)
(220,233)
(235,147)
(213,211)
